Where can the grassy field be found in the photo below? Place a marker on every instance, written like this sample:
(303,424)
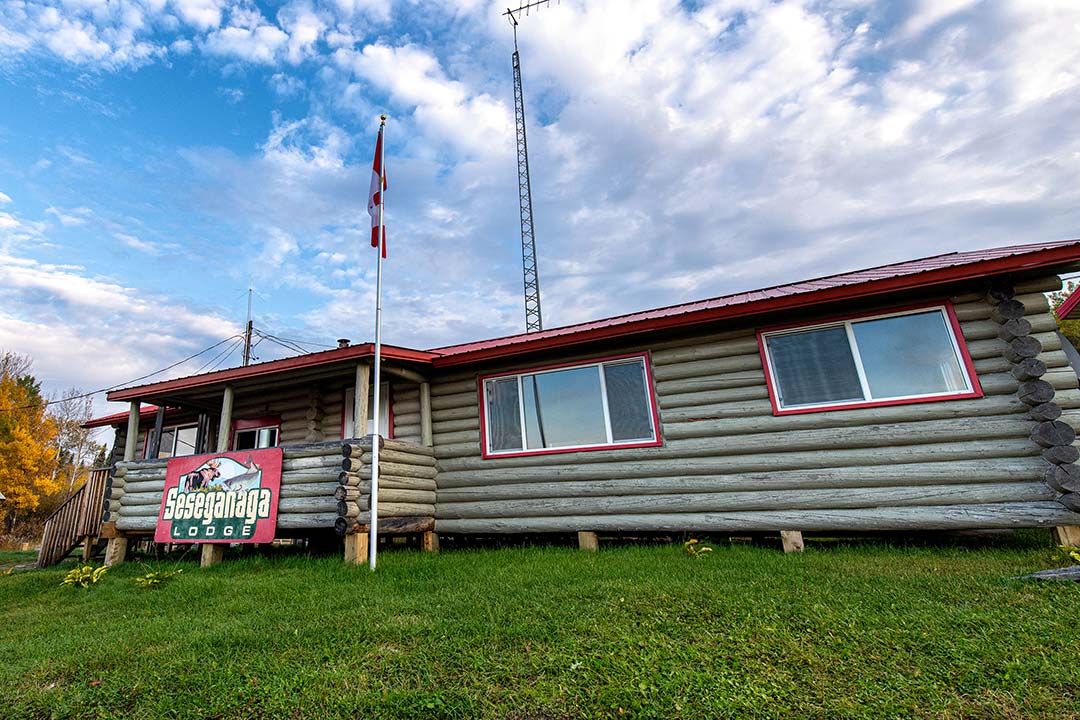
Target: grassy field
(855,630)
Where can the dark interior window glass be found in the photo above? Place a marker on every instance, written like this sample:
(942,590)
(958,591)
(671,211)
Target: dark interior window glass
(628,401)
(503,414)
(815,366)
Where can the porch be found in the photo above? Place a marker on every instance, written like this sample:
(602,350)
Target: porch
(316,409)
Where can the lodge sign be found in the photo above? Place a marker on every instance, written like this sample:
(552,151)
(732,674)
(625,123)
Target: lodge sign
(221,498)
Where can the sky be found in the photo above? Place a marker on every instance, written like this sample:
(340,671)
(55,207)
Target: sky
(158,157)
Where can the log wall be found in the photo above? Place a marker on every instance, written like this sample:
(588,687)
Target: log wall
(406,485)
(727,463)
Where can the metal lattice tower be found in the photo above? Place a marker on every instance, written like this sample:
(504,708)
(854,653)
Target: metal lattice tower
(533,318)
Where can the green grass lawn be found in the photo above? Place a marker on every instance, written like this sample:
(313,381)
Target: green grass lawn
(11,558)
(843,630)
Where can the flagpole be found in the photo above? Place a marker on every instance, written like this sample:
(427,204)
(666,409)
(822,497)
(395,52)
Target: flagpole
(376,438)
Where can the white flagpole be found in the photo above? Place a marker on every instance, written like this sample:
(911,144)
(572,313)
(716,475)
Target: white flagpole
(376,438)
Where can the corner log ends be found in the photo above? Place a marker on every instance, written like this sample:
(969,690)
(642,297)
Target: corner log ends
(1055,437)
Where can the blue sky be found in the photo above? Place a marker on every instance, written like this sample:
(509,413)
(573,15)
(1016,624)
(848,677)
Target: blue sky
(156,154)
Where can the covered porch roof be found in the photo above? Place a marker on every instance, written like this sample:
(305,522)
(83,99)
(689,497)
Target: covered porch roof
(204,391)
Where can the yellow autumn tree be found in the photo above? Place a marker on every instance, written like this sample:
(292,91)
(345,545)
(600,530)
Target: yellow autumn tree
(28,450)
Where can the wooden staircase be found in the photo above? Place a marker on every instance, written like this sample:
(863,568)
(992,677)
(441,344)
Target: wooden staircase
(76,522)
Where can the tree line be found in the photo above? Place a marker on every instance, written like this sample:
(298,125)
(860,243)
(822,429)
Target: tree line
(45,453)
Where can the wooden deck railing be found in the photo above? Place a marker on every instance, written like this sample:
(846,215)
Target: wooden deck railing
(77,521)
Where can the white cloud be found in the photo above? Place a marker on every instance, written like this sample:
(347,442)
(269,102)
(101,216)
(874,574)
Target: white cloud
(71,217)
(231,95)
(4,198)
(286,85)
(47,309)
(304,27)
(259,44)
(203,14)
(143,246)
(447,110)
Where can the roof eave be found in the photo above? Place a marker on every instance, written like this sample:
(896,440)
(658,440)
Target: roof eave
(355,352)
(1040,259)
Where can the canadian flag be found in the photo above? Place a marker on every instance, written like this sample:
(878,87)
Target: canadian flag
(375,195)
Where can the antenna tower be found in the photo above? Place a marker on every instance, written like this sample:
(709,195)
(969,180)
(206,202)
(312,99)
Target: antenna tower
(533,319)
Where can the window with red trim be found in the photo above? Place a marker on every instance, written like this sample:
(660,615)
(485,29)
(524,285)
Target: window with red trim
(913,355)
(606,403)
(256,433)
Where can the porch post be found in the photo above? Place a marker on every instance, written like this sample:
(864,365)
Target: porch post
(155,440)
(225,426)
(425,414)
(131,442)
(360,395)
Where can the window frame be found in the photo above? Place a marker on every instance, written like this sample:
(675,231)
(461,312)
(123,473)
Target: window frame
(952,325)
(260,423)
(654,414)
(176,429)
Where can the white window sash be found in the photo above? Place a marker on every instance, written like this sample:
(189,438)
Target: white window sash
(854,347)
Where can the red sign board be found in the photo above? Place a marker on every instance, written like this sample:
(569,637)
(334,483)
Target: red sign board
(221,498)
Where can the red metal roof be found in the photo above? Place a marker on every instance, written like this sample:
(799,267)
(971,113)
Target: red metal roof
(948,267)
(147,412)
(325,357)
(1065,310)
(914,274)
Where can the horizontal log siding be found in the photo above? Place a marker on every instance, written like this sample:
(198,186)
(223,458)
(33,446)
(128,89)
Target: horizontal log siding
(406,399)
(727,463)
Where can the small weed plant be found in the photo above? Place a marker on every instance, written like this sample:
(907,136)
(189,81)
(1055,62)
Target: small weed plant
(157,578)
(695,549)
(84,576)
(1068,554)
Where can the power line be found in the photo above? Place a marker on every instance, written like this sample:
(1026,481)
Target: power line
(295,342)
(226,351)
(122,384)
(287,347)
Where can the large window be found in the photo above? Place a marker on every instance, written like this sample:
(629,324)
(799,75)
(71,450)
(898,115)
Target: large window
(910,356)
(385,424)
(176,440)
(603,404)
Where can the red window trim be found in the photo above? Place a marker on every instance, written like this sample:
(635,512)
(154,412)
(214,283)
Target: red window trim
(646,358)
(389,411)
(266,421)
(954,323)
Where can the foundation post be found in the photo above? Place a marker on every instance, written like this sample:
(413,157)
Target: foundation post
(429,542)
(212,554)
(588,541)
(356,548)
(792,540)
(1067,535)
(116,551)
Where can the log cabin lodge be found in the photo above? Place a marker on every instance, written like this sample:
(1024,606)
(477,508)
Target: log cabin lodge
(933,394)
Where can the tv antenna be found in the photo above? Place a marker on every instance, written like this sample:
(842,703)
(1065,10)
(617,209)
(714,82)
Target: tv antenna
(533,319)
